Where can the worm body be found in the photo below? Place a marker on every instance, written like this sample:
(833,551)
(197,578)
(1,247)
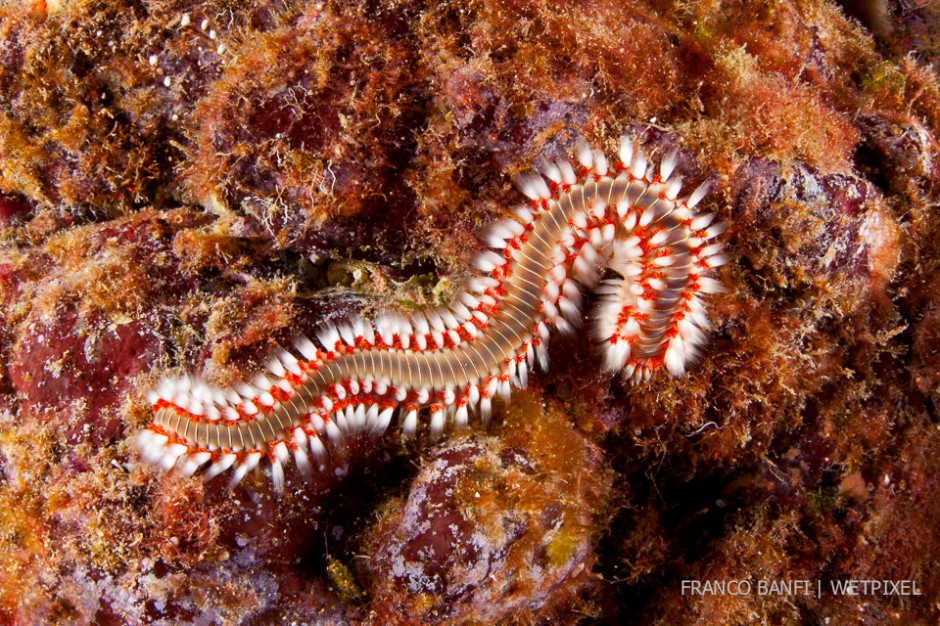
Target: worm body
(447,363)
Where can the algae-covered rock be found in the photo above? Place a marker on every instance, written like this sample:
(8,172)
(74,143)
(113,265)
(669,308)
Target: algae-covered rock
(185,186)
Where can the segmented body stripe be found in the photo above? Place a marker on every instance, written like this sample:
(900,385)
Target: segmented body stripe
(627,219)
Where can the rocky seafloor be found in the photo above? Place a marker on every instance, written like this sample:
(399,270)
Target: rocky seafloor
(185,186)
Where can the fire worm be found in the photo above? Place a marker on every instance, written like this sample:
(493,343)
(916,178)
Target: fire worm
(444,363)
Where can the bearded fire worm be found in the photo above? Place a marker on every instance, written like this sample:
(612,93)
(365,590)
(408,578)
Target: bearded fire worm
(451,362)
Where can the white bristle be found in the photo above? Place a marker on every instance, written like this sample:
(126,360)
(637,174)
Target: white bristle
(384,419)
(673,187)
(626,150)
(466,298)
(262,383)
(568,176)
(372,417)
(328,336)
(461,311)
(486,410)
(674,357)
(473,394)
(410,423)
(250,463)
(579,219)
(584,154)
(368,334)
(715,230)
(306,348)
(488,260)
(277,476)
(710,285)
(300,454)
(171,453)
(550,170)
(569,309)
(302,460)
(647,216)
(710,249)
(600,163)
(437,423)
(697,195)
(533,186)
(342,420)
(504,391)
(275,367)
(524,214)
(667,165)
(221,465)
(246,391)
(659,238)
(358,417)
(317,449)
(333,432)
(461,417)
(638,167)
(616,355)
(717,260)
(280,452)
(701,221)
